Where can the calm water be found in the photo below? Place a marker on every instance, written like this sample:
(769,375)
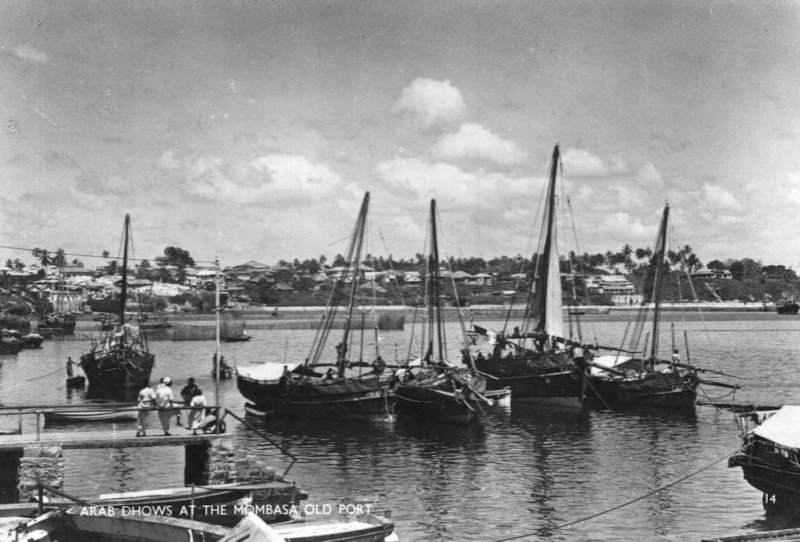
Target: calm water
(523,470)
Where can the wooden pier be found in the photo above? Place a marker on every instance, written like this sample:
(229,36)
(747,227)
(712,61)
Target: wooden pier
(32,454)
(104,439)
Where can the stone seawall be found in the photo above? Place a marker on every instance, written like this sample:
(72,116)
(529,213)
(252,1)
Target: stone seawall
(40,465)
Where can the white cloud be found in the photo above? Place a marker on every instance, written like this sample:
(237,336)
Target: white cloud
(430,103)
(296,175)
(582,163)
(169,160)
(29,54)
(719,197)
(271,177)
(474,142)
(426,180)
(650,175)
(624,226)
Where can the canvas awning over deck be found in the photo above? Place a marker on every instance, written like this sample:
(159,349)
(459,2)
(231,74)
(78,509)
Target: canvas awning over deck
(783,428)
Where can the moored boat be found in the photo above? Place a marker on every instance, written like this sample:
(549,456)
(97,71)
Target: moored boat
(68,415)
(533,360)
(77,524)
(120,360)
(438,390)
(56,323)
(787,306)
(624,379)
(345,390)
(770,455)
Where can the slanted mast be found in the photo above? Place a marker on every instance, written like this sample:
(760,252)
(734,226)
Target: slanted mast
(658,278)
(435,319)
(351,269)
(545,297)
(124,293)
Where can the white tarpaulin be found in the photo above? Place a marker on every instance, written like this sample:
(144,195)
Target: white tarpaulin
(783,428)
(609,361)
(266,371)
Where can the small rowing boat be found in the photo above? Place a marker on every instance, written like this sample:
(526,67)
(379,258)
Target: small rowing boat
(95,415)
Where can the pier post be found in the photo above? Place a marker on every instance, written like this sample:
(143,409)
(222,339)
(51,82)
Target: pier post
(196,464)
(39,464)
(220,463)
(9,475)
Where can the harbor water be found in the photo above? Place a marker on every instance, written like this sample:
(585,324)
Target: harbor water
(522,470)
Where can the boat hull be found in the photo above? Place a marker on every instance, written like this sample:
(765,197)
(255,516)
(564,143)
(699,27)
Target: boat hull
(535,379)
(89,416)
(119,368)
(74,524)
(652,389)
(433,399)
(767,470)
(327,399)
(787,308)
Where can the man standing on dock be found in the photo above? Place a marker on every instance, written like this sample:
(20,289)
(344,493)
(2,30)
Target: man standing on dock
(164,401)
(146,399)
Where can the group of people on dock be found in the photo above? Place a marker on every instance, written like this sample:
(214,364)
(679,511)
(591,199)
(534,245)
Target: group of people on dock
(163,401)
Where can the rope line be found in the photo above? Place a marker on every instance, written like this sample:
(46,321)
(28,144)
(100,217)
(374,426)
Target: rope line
(623,505)
(43,376)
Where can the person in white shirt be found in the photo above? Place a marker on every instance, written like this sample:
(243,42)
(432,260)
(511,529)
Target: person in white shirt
(164,399)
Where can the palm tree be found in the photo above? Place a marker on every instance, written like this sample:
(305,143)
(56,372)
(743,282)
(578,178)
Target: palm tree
(43,255)
(61,258)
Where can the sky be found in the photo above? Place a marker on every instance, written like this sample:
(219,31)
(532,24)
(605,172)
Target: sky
(251,129)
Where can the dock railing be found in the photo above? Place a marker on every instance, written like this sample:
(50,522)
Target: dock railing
(40,412)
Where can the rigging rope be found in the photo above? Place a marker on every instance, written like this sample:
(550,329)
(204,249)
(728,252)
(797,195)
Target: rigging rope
(623,505)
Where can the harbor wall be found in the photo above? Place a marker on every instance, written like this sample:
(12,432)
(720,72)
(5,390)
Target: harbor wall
(220,462)
(39,464)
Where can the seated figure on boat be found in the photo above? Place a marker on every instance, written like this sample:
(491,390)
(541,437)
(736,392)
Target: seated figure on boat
(378,365)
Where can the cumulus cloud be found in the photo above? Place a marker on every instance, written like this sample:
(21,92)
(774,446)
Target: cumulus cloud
(474,142)
(429,180)
(650,175)
(169,160)
(624,226)
(719,197)
(296,174)
(582,163)
(271,177)
(430,103)
(482,193)
(29,54)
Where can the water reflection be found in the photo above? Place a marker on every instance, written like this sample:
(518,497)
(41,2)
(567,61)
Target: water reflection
(523,469)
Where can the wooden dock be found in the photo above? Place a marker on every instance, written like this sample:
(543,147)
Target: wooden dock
(103,439)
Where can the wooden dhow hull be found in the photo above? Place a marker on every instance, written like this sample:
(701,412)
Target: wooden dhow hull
(541,379)
(650,389)
(440,397)
(118,368)
(770,456)
(313,397)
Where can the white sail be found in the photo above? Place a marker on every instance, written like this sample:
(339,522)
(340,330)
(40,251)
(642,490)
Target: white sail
(554,319)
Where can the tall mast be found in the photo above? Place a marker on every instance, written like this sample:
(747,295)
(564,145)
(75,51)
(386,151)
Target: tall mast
(124,293)
(435,301)
(358,241)
(326,322)
(545,305)
(658,278)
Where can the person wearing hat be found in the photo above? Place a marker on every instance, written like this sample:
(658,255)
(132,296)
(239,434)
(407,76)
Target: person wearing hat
(164,401)
(187,393)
